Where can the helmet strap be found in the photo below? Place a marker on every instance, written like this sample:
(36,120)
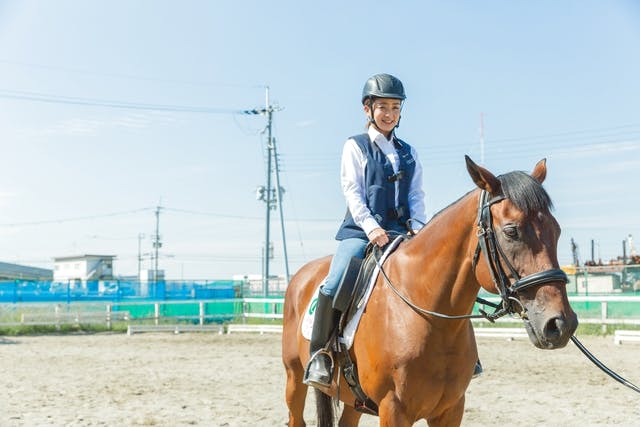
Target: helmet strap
(371,119)
(401,105)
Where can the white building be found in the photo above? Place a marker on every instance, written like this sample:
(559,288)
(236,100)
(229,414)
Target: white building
(82,268)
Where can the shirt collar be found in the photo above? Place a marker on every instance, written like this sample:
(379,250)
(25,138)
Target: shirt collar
(375,134)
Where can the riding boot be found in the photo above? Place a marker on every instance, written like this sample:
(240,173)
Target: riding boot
(319,370)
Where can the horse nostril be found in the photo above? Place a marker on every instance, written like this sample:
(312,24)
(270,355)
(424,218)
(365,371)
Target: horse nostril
(553,328)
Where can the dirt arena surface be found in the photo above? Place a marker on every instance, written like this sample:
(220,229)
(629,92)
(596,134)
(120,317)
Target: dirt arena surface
(238,380)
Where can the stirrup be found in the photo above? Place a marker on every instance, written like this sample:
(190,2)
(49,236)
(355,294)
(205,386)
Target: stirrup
(311,382)
(477,370)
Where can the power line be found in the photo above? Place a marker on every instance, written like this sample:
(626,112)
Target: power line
(567,133)
(78,218)
(129,76)
(69,100)
(135,211)
(213,214)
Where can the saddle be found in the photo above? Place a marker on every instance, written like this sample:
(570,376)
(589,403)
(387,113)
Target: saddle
(353,284)
(348,300)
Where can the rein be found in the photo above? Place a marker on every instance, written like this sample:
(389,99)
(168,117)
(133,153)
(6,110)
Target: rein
(601,365)
(495,257)
(418,309)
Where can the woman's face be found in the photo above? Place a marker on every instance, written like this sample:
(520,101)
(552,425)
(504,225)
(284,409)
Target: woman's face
(386,113)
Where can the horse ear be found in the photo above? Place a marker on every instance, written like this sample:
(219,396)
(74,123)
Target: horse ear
(540,171)
(483,178)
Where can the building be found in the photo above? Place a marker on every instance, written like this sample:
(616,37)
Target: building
(22,272)
(81,269)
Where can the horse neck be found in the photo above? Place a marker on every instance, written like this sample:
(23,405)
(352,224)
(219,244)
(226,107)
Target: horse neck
(442,253)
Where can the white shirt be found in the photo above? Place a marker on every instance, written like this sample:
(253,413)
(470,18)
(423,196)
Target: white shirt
(353,181)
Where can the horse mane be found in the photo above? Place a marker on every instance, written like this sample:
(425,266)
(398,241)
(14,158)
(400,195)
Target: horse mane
(525,192)
(522,189)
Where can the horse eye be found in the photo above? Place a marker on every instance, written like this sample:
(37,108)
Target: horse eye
(511,231)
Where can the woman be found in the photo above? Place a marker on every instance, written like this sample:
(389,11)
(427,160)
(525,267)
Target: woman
(382,184)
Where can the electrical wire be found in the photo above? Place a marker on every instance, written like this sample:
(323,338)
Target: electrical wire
(79,218)
(57,99)
(213,214)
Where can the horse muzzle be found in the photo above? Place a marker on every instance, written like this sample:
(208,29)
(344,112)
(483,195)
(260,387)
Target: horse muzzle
(548,318)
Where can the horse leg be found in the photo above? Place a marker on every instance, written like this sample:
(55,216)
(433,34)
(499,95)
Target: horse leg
(296,393)
(391,413)
(451,417)
(350,417)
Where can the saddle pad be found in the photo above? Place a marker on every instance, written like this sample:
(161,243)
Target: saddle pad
(352,325)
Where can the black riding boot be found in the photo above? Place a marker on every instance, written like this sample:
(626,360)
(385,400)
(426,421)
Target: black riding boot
(319,369)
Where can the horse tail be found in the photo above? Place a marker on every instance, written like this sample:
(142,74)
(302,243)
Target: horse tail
(324,409)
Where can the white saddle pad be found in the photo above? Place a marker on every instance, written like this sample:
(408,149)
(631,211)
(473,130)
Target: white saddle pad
(350,330)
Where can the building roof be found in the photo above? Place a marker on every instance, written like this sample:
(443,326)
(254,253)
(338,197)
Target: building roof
(10,271)
(80,257)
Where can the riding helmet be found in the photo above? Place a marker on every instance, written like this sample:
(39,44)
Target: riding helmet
(383,86)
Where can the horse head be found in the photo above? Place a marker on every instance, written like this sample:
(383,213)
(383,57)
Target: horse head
(519,236)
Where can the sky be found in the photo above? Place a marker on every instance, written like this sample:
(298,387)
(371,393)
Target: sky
(110,109)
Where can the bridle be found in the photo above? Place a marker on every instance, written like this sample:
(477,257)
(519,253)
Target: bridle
(496,260)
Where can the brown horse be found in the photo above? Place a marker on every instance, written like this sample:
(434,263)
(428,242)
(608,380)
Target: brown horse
(414,348)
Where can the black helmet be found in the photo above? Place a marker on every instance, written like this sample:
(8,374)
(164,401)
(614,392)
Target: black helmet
(383,86)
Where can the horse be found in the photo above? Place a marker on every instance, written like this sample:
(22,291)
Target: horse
(415,348)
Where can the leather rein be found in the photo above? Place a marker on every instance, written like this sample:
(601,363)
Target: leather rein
(495,259)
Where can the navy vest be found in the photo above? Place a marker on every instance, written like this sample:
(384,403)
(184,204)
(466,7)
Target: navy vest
(379,181)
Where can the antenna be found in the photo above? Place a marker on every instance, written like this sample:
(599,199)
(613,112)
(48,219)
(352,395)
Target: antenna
(271,195)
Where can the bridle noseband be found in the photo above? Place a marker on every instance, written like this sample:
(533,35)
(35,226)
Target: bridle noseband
(496,258)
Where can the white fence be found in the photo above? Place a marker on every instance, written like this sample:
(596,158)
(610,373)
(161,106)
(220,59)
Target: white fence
(244,309)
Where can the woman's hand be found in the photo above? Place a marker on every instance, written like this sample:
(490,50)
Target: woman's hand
(378,237)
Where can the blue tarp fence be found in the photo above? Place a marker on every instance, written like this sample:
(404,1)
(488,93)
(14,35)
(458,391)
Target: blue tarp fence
(17,291)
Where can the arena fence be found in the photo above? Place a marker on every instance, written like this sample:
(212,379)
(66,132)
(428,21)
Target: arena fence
(602,310)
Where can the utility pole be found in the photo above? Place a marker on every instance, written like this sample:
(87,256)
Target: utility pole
(157,244)
(271,195)
(140,237)
(280,192)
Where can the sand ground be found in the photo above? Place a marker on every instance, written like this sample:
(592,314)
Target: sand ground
(238,380)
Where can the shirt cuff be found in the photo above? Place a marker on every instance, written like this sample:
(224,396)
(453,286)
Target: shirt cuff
(369,224)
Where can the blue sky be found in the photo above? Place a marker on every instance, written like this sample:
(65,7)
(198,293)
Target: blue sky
(557,80)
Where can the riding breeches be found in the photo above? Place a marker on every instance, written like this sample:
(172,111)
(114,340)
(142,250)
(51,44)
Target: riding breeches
(347,249)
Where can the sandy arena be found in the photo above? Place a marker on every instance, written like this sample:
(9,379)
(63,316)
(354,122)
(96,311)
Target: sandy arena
(238,380)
